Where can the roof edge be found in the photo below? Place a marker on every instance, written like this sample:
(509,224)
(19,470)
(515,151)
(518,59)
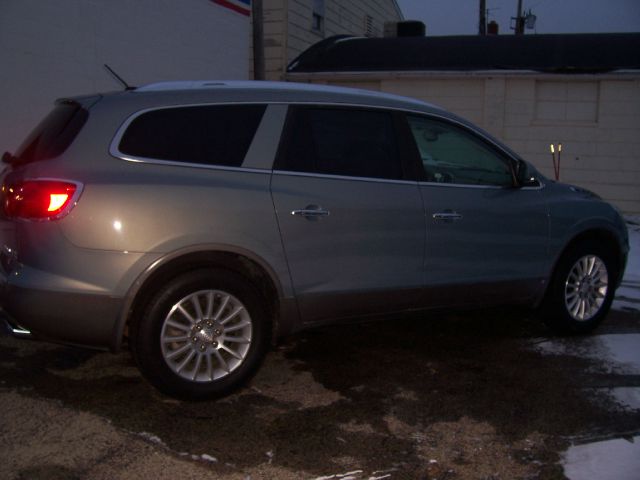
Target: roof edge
(576,53)
(393,74)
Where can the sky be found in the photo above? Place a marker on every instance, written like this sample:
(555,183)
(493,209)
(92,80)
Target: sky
(460,17)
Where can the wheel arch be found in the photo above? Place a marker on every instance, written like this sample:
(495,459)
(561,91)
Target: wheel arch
(253,268)
(600,235)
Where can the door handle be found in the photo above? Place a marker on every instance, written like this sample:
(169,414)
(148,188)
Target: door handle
(447,216)
(311,212)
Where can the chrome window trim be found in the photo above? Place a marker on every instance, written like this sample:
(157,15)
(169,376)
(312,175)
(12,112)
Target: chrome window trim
(465,185)
(469,185)
(204,166)
(115,152)
(113,148)
(328,176)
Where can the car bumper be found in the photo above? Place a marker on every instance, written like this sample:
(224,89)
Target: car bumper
(67,317)
(9,327)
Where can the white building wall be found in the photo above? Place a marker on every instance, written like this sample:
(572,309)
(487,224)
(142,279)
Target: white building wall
(52,49)
(595,117)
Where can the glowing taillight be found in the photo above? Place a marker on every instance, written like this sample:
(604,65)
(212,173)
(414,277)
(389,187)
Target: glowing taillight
(38,199)
(57,201)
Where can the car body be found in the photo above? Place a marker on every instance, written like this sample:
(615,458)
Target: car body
(171,209)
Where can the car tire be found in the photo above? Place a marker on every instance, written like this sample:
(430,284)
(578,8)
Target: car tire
(581,290)
(203,335)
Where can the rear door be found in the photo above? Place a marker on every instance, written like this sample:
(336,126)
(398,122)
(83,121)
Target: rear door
(351,223)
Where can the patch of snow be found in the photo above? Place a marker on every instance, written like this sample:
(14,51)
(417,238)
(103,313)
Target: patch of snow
(619,352)
(208,458)
(349,475)
(629,397)
(627,291)
(633,262)
(341,476)
(381,474)
(628,295)
(152,438)
(617,459)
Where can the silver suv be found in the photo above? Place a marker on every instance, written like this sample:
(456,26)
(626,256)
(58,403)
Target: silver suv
(199,221)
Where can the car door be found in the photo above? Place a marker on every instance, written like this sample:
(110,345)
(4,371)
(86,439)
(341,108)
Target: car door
(486,239)
(352,226)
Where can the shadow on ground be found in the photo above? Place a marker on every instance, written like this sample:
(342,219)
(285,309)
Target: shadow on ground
(384,396)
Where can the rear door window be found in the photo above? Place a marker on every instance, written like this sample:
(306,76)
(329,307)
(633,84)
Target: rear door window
(342,141)
(53,135)
(208,134)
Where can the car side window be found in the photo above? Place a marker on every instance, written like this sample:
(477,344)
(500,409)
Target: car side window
(342,141)
(208,134)
(450,154)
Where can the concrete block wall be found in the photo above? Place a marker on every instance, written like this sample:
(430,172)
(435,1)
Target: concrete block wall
(55,49)
(596,120)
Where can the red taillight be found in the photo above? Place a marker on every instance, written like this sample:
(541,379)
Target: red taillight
(38,199)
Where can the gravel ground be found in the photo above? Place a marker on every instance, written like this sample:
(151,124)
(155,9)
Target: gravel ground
(465,396)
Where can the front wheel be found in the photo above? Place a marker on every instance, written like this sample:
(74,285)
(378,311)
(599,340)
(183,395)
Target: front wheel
(203,335)
(581,290)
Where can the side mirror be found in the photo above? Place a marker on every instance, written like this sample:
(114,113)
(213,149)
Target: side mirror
(524,176)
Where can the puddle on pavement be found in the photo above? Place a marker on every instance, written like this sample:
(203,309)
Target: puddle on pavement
(615,353)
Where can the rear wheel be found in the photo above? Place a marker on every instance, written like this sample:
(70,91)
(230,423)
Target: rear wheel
(203,335)
(582,289)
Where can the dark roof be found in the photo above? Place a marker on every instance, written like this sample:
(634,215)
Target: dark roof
(558,53)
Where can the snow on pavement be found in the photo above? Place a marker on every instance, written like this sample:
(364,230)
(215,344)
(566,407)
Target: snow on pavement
(619,354)
(617,459)
(628,295)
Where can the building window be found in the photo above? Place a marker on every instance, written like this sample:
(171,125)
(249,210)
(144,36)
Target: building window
(567,102)
(317,18)
(370,29)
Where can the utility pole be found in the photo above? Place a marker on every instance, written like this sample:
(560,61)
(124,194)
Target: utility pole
(519,30)
(258,40)
(482,27)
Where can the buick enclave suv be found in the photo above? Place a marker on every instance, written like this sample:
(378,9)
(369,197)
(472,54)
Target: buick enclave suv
(199,221)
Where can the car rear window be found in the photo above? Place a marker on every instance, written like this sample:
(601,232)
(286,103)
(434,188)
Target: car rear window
(208,134)
(54,134)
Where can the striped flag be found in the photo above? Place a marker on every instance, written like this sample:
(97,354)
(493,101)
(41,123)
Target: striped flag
(240,6)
